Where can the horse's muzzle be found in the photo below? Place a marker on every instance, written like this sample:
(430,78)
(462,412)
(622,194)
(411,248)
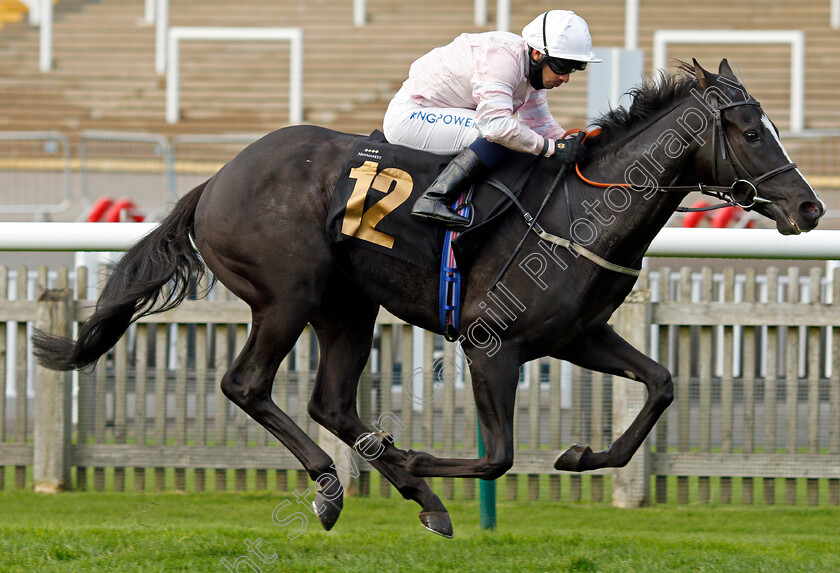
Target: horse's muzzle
(810,214)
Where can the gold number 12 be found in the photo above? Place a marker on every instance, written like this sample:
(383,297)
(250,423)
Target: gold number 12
(360,223)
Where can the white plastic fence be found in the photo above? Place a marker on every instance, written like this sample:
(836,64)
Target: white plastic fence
(161,16)
(157,12)
(502,14)
(180,34)
(359,12)
(149,12)
(795,38)
(671,242)
(46,36)
(631,25)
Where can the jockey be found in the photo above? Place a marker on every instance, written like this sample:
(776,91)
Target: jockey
(462,97)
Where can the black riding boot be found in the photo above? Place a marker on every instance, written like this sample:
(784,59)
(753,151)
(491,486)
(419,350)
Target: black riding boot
(466,168)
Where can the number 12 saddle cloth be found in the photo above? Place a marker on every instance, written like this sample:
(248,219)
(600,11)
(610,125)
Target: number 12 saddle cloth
(371,204)
(371,208)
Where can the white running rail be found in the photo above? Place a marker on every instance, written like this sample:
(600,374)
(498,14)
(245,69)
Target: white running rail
(670,242)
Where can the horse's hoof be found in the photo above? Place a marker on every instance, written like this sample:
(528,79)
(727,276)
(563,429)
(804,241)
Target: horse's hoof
(327,509)
(570,460)
(437,522)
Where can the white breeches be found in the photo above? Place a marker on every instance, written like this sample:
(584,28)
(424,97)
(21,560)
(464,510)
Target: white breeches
(441,130)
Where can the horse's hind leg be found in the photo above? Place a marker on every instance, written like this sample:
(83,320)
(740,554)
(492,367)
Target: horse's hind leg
(344,326)
(248,384)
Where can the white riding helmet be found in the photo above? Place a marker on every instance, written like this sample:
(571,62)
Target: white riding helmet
(561,34)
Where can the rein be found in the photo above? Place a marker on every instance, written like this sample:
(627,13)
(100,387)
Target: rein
(532,221)
(727,203)
(533,226)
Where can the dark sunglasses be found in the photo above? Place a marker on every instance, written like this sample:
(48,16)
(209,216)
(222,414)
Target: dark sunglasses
(562,66)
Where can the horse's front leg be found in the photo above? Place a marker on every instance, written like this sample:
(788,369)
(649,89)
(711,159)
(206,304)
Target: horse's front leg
(494,381)
(605,351)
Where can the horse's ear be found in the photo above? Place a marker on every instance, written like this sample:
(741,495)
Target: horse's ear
(701,74)
(726,71)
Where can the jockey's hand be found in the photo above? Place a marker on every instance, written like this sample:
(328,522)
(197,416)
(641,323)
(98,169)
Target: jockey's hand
(569,151)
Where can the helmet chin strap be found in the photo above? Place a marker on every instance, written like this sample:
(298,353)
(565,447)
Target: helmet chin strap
(535,69)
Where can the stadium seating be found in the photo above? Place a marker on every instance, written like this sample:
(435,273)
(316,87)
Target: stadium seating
(104,74)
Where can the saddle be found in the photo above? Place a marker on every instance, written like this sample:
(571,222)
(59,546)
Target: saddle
(371,204)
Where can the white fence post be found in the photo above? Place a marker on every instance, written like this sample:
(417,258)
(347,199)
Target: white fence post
(480,12)
(359,12)
(53,400)
(149,12)
(795,38)
(503,15)
(34,11)
(46,36)
(631,484)
(631,24)
(835,14)
(797,81)
(161,30)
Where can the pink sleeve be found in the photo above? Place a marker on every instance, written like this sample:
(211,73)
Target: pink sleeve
(536,115)
(497,75)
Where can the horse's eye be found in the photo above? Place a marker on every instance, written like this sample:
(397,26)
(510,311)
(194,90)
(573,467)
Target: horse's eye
(752,136)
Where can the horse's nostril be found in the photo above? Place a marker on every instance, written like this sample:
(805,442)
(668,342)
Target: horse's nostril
(811,211)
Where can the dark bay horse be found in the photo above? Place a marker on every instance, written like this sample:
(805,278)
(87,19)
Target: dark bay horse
(259,224)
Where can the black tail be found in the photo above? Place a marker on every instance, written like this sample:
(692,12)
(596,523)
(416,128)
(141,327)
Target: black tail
(134,289)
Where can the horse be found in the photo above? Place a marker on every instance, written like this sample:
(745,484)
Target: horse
(258,225)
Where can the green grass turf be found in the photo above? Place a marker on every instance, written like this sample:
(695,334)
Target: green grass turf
(193,532)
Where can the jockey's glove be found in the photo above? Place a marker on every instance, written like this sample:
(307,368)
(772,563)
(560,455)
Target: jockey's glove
(569,151)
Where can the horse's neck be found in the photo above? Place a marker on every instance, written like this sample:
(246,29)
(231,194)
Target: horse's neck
(644,163)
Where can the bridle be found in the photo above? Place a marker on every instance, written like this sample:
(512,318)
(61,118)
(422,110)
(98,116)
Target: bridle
(749,196)
(743,192)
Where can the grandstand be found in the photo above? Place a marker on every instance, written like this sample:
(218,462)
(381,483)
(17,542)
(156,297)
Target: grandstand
(104,75)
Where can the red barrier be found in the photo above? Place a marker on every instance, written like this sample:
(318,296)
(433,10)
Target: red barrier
(109,211)
(693,218)
(719,220)
(723,217)
(99,208)
(113,214)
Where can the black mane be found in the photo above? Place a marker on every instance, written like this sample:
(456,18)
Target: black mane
(649,100)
